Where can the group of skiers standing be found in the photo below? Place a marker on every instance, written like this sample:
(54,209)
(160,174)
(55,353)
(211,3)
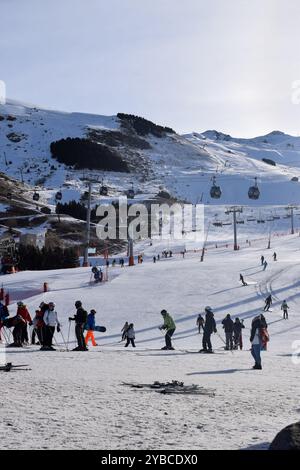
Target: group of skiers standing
(44,324)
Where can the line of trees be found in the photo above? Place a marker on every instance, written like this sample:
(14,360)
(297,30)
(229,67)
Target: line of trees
(35,259)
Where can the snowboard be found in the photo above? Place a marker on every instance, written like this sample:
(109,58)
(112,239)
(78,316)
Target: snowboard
(100,329)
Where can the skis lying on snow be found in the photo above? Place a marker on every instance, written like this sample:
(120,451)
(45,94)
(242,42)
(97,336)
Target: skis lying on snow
(174,387)
(9,366)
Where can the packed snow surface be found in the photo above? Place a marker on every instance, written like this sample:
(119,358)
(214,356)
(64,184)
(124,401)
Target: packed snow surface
(76,400)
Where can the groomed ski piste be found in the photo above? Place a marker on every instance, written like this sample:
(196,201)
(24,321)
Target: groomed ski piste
(76,400)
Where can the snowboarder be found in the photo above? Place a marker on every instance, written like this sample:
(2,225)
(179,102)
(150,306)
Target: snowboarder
(265,265)
(262,260)
(51,321)
(80,319)
(268,303)
(4,314)
(90,326)
(209,329)
(228,327)
(124,331)
(284,308)
(275,256)
(23,312)
(170,327)
(259,338)
(237,333)
(242,280)
(130,336)
(200,323)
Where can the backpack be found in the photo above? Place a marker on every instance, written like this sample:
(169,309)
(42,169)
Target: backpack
(264,337)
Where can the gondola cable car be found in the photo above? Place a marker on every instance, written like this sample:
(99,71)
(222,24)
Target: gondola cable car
(253,192)
(215,190)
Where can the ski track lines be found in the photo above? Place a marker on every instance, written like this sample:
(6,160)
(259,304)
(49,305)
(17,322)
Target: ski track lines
(75,400)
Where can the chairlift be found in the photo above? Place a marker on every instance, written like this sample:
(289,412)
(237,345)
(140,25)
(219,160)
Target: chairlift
(36,196)
(215,191)
(261,221)
(240,221)
(217,224)
(251,219)
(130,192)
(58,196)
(103,189)
(253,192)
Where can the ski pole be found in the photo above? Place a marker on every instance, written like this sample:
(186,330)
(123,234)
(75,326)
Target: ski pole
(69,334)
(67,346)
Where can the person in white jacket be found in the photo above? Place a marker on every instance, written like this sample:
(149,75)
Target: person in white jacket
(51,321)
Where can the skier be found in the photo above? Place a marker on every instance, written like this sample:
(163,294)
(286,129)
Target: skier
(170,327)
(268,303)
(154,259)
(262,260)
(275,256)
(265,265)
(237,333)
(285,307)
(122,263)
(130,335)
(228,327)
(200,323)
(209,328)
(80,319)
(3,315)
(259,337)
(242,280)
(51,321)
(90,326)
(39,325)
(124,330)
(158,257)
(113,263)
(19,324)
(107,263)
(23,312)
(38,328)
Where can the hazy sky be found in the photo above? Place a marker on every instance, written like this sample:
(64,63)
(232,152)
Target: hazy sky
(189,64)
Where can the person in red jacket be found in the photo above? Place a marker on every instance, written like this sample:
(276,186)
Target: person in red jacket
(23,312)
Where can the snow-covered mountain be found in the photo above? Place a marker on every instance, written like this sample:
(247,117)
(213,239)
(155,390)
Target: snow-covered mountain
(183,165)
(155,159)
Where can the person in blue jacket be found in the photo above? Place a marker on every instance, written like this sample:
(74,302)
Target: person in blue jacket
(90,325)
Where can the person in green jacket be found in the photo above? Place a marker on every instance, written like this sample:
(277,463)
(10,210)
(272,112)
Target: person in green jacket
(170,327)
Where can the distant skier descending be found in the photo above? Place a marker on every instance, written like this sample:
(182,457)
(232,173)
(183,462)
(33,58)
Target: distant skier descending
(242,280)
(265,264)
(124,331)
(200,323)
(209,328)
(268,303)
(170,327)
(284,308)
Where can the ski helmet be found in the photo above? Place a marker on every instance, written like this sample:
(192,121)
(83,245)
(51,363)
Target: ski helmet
(20,304)
(78,304)
(163,312)
(51,304)
(208,309)
(93,311)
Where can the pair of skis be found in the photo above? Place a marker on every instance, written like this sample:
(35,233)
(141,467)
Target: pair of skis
(9,366)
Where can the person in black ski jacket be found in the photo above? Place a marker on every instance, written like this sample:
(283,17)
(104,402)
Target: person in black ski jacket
(209,328)
(228,327)
(237,333)
(80,321)
(268,303)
